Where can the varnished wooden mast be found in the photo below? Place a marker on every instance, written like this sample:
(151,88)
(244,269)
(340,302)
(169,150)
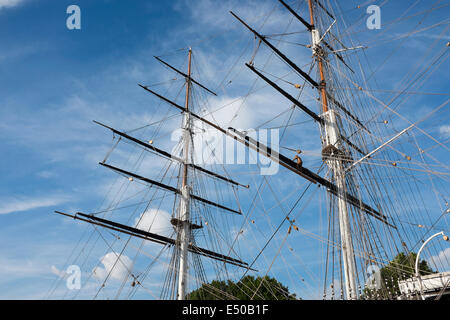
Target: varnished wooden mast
(187,124)
(319,61)
(332,139)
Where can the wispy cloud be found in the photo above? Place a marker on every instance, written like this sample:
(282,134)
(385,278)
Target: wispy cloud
(9,3)
(17,204)
(59,273)
(21,267)
(45,174)
(445,131)
(441,260)
(216,14)
(19,52)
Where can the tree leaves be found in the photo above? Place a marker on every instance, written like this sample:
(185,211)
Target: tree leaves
(269,289)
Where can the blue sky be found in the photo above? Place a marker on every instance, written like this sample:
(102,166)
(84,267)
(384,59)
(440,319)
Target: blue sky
(55,81)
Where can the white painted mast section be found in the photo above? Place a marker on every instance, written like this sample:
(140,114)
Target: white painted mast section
(184,225)
(332,137)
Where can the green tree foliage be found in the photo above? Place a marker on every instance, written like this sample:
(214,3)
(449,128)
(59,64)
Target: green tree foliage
(400,268)
(269,289)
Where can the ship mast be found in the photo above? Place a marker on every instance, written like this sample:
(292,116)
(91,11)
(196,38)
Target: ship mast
(184,225)
(334,152)
(182,221)
(331,142)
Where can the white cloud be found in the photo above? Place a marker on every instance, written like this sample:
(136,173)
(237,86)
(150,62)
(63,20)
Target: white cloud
(445,131)
(12,268)
(156,221)
(9,3)
(441,261)
(216,13)
(18,204)
(116,267)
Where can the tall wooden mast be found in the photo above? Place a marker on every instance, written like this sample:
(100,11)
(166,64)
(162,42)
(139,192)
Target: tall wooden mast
(332,143)
(316,48)
(184,224)
(187,133)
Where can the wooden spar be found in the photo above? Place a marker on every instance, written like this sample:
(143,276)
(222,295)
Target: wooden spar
(166,187)
(183,109)
(320,63)
(307,25)
(213,174)
(288,164)
(271,154)
(287,95)
(278,52)
(310,27)
(131,174)
(109,227)
(320,87)
(142,143)
(227,133)
(152,237)
(214,204)
(311,176)
(184,75)
(162,98)
(348,142)
(170,156)
(324,9)
(337,103)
